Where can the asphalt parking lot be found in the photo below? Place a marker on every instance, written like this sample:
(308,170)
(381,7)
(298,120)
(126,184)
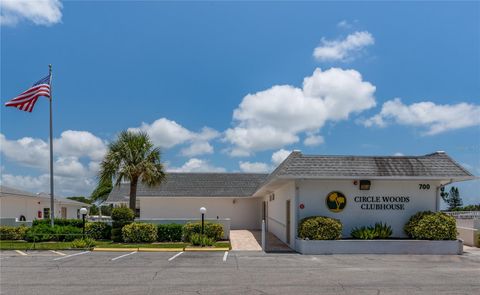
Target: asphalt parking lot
(77,272)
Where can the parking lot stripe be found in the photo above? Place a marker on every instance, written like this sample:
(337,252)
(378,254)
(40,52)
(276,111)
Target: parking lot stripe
(58,253)
(71,255)
(225,256)
(21,252)
(175,256)
(124,255)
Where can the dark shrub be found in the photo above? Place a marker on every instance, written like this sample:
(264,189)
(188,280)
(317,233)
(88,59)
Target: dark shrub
(319,228)
(13,232)
(413,221)
(201,240)
(98,230)
(121,216)
(45,232)
(437,226)
(139,233)
(59,222)
(212,230)
(169,232)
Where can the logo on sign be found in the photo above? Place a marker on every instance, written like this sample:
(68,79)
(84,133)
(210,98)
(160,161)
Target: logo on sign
(336,201)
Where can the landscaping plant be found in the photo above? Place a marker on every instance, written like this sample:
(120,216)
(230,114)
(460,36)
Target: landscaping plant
(45,232)
(139,233)
(13,232)
(59,222)
(201,240)
(319,228)
(378,231)
(437,226)
(98,230)
(413,221)
(120,217)
(86,243)
(211,230)
(169,232)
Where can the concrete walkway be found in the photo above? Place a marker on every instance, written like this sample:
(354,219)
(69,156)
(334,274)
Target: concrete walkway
(244,240)
(251,240)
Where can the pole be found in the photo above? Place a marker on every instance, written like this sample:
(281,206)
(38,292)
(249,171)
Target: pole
(52,198)
(83,234)
(203,220)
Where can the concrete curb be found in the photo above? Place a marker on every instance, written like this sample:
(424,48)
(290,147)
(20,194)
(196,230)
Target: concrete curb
(195,249)
(114,249)
(160,249)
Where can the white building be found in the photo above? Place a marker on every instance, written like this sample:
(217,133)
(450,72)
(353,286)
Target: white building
(26,206)
(357,190)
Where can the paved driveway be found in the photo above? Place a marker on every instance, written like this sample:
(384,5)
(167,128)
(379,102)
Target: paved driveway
(235,273)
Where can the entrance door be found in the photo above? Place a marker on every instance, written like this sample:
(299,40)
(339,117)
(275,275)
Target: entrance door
(288,221)
(64,212)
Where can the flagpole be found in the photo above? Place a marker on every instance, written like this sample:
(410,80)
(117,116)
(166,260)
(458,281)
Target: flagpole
(52,198)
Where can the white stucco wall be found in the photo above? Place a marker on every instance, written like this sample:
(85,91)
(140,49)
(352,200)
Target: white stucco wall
(14,207)
(277,212)
(312,194)
(244,213)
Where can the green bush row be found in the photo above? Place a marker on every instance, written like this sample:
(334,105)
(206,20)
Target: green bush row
(44,232)
(427,225)
(319,228)
(60,222)
(211,230)
(98,230)
(13,232)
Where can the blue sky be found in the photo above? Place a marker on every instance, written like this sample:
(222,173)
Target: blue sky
(235,86)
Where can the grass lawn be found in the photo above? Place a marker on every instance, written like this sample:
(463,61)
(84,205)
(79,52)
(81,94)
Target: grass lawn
(22,245)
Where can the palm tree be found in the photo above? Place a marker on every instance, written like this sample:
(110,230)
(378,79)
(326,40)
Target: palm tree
(132,157)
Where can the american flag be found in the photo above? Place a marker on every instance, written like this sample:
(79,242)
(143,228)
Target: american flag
(26,101)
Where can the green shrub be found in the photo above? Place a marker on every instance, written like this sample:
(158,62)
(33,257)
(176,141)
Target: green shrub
(437,226)
(43,232)
(378,231)
(98,230)
(60,222)
(169,232)
(139,233)
(86,243)
(201,240)
(121,216)
(211,230)
(319,228)
(413,221)
(13,232)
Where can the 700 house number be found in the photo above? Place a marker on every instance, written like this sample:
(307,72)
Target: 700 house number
(424,186)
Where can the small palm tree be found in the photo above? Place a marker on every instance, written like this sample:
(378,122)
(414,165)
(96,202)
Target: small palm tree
(132,157)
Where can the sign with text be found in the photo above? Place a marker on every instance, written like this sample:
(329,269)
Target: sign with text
(382,202)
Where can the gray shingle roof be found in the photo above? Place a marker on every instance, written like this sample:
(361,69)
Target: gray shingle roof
(195,185)
(437,164)
(6,191)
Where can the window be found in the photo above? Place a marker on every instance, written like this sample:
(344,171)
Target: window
(46,213)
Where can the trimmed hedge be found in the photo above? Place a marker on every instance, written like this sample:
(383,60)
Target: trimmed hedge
(437,226)
(319,228)
(120,217)
(43,232)
(98,230)
(59,222)
(13,232)
(169,232)
(139,233)
(413,222)
(212,230)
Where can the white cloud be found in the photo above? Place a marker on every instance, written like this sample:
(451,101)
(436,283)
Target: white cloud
(344,24)
(434,118)
(254,167)
(167,134)
(27,151)
(196,165)
(79,144)
(275,117)
(40,12)
(343,49)
(279,156)
(313,140)
(398,154)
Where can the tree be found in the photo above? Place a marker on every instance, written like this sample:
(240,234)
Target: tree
(101,192)
(80,199)
(132,157)
(452,198)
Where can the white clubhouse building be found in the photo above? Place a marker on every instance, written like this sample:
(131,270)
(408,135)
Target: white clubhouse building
(357,190)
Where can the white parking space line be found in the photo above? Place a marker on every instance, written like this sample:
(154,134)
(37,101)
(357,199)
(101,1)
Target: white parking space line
(175,256)
(71,255)
(21,252)
(225,256)
(124,255)
(58,253)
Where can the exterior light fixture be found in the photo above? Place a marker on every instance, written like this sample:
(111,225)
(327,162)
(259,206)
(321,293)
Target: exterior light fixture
(365,185)
(83,211)
(203,210)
